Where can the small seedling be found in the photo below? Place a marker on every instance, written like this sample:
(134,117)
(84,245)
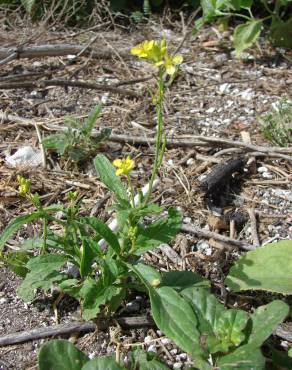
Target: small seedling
(277,125)
(77,143)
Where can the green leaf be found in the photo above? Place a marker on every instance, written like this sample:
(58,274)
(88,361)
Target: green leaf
(175,317)
(160,231)
(87,256)
(16,224)
(104,231)
(243,358)
(72,287)
(32,243)
(267,268)
(103,363)
(60,354)
(90,121)
(265,320)
(222,329)
(245,35)
(101,136)
(17,261)
(149,273)
(107,174)
(145,361)
(95,295)
(183,279)
(281,32)
(28,5)
(43,273)
(58,142)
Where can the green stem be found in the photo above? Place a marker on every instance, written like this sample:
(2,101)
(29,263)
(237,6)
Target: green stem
(131,190)
(160,138)
(45,234)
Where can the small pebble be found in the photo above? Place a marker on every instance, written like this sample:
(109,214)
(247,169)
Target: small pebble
(152,348)
(262,169)
(173,351)
(148,339)
(177,365)
(165,341)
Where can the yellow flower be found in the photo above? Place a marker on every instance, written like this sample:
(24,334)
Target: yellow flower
(153,51)
(156,53)
(144,49)
(24,186)
(171,62)
(124,166)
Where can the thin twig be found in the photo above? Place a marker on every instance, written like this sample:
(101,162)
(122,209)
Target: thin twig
(66,83)
(184,141)
(210,234)
(253,227)
(74,327)
(44,158)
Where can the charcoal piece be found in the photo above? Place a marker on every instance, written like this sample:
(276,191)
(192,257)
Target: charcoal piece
(220,184)
(239,218)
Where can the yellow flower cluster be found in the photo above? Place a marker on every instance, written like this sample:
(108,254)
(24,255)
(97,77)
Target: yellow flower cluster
(24,186)
(156,52)
(124,166)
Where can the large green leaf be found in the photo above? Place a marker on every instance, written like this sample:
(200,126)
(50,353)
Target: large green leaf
(104,231)
(95,295)
(43,273)
(267,268)
(103,363)
(265,320)
(160,231)
(175,317)
(107,174)
(61,355)
(149,274)
(221,328)
(16,224)
(245,35)
(243,358)
(183,279)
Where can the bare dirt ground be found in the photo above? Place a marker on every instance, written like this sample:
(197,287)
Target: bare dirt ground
(214,96)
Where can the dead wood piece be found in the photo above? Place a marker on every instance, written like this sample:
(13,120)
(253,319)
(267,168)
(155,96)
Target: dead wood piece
(221,174)
(66,83)
(73,327)
(181,141)
(253,225)
(210,234)
(56,50)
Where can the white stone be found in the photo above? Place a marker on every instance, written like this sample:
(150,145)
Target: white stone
(152,348)
(148,339)
(262,169)
(177,365)
(25,156)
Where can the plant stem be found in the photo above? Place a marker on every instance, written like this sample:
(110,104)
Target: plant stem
(160,136)
(131,190)
(45,234)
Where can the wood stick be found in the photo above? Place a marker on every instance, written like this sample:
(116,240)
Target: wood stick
(57,50)
(182,141)
(253,227)
(66,83)
(74,327)
(210,234)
